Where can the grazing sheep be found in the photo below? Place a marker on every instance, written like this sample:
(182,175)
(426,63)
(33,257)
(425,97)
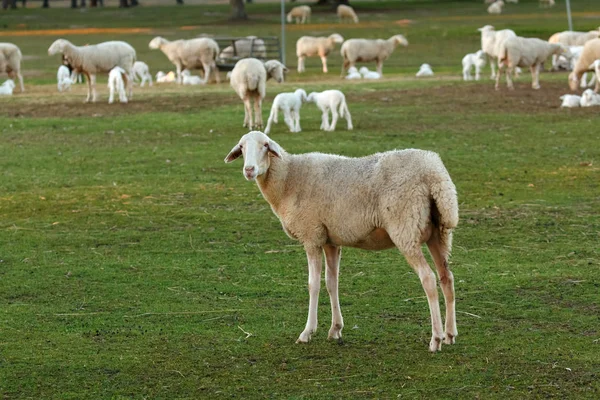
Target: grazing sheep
(364,71)
(161,77)
(141,71)
(491,43)
(6,89)
(310,46)
(300,13)
(525,52)
(10,62)
(63,79)
(570,101)
(590,53)
(251,46)
(93,59)
(331,100)
(425,70)
(571,38)
(476,60)
(346,13)
(353,73)
(289,104)
(190,54)
(496,7)
(117,79)
(367,50)
(249,80)
(399,198)
(589,98)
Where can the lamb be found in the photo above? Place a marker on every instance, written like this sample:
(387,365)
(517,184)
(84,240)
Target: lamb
(333,100)
(491,43)
(93,59)
(117,78)
(364,71)
(189,79)
(496,7)
(10,62)
(161,77)
(249,80)
(251,46)
(190,54)
(367,50)
(590,53)
(289,104)
(570,100)
(63,78)
(525,52)
(571,38)
(477,60)
(353,73)
(141,71)
(310,46)
(6,89)
(300,13)
(425,70)
(589,98)
(399,198)
(346,13)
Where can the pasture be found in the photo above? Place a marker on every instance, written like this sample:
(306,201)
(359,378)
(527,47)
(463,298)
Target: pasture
(135,263)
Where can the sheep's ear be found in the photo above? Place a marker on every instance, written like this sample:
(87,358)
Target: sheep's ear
(274,149)
(235,153)
(285,69)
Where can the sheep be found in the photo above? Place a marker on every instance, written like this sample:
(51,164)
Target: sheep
(596,67)
(63,79)
(10,62)
(190,54)
(117,79)
(570,100)
(6,89)
(477,60)
(251,46)
(309,46)
(93,59)
(525,52)
(300,13)
(289,104)
(333,100)
(571,38)
(590,53)
(141,71)
(589,98)
(366,74)
(189,79)
(425,70)
(346,13)
(249,80)
(366,50)
(399,198)
(491,43)
(353,73)
(161,77)
(496,7)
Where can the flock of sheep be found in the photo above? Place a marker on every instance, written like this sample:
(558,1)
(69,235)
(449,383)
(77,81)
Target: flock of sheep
(495,6)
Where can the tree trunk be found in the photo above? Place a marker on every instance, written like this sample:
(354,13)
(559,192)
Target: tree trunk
(238,10)
(45,4)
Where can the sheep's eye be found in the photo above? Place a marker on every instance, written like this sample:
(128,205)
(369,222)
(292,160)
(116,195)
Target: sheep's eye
(266,145)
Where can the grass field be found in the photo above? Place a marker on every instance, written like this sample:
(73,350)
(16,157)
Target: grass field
(134,263)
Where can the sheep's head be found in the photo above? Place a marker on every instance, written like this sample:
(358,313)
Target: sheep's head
(275,70)
(257,150)
(399,39)
(573,81)
(156,43)
(336,38)
(362,70)
(9,83)
(312,97)
(58,46)
(486,28)
(480,54)
(301,93)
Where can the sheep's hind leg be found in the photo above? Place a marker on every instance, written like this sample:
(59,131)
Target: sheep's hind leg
(93,83)
(535,76)
(287,117)
(247,113)
(258,122)
(324,62)
(334,118)
(89,93)
(325,120)
(333,255)
(313,254)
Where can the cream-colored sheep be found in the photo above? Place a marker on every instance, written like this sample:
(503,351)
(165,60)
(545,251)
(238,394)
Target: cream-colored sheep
(190,54)
(346,13)
(251,46)
(300,13)
(367,50)
(400,198)
(10,62)
(98,58)
(571,38)
(590,53)
(249,80)
(496,7)
(491,43)
(310,46)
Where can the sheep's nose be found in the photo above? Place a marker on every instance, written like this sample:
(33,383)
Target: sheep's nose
(249,169)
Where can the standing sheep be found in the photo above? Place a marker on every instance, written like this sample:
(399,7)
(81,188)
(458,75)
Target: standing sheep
(190,54)
(367,50)
(346,13)
(590,53)
(496,8)
(141,71)
(331,100)
(476,59)
(117,79)
(571,38)
(93,59)
(491,43)
(250,46)
(310,46)
(289,104)
(249,80)
(300,13)
(10,62)
(63,78)
(400,198)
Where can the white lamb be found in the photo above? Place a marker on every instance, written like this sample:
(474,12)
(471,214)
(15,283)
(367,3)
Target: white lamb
(491,44)
(496,7)
(476,60)
(169,77)
(190,54)
(353,73)
(364,71)
(301,14)
(10,62)
(334,101)
(589,98)
(116,83)
(310,46)
(346,13)
(142,72)
(249,80)
(98,58)
(367,50)
(189,79)
(289,104)
(570,100)
(425,70)
(63,79)
(6,89)
(399,198)
(250,46)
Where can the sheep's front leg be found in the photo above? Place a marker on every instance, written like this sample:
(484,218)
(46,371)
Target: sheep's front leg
(535,76)
(89,93)
(297,120)
(21,81)
(333,255)
(207,70)
(287,118)
(334,118)
(301,64)
(128,83)
(325,119)
(500,67)
(324,62)
(491,61)
(179,76)
(477,72)
(313,253)
(380,67)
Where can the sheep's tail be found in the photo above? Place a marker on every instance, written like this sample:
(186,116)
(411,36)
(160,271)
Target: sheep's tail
(445,212)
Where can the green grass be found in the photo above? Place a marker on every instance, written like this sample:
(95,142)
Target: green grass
(132,258)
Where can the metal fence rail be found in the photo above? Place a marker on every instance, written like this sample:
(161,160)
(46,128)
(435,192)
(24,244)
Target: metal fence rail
(235,48)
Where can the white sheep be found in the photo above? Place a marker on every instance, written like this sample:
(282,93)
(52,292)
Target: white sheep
(189,79)
(250,46)
(491,43)
(169,77)
(570,100)
(117,79)
(589,98)
(353,73)
(595,66)
(367,50)
(334,101)
(366,74)
(496,7)
(98,58)
(190,54)
(249,80)
(310,46)
(526,52)
(63,79)
(142,72)
(346,13)
(289,104)
(590,53)
(425,70)
(300,13)
(10,62)
(476,60)
(399,198)
(6,89)
(571,39)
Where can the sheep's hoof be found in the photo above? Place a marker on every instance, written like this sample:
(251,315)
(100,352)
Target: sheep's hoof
(436,344)
(536,87)
(335,333)
(450,339)
(304,337)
